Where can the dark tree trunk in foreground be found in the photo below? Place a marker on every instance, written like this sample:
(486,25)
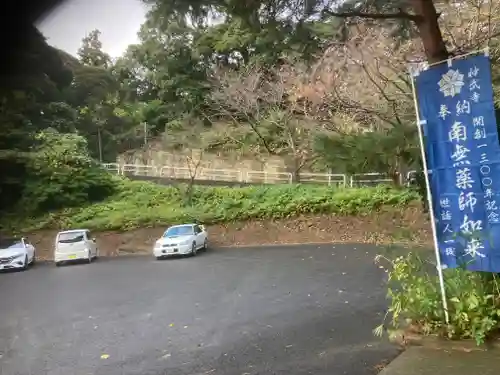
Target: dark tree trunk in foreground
(430,33)
(425,17)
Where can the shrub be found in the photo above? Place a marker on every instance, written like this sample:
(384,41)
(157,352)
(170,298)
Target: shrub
(62,174)
(473,300)
(139,204)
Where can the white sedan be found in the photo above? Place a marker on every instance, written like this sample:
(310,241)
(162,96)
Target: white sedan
(184,239)
(16,254)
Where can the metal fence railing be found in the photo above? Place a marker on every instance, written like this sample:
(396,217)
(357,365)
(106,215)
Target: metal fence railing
(268,177)
(250,176)
(368,179)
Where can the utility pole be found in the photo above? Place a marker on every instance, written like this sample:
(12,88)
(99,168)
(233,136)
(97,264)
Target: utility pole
(145,133)
(99,142)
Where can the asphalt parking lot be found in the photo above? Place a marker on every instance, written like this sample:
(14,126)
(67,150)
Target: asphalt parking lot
(277,310)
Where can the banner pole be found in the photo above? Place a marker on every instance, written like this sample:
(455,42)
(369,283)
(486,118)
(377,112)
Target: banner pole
(429,201)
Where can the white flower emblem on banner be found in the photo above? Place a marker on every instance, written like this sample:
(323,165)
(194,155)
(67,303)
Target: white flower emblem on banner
(451,83)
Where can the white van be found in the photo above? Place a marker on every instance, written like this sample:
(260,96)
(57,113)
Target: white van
(73,245)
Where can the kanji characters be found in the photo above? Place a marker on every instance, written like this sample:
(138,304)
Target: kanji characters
(458,132)
(479,133)
(491,205)
(449,251)
(474,85)
(444,202)
(469,211)
(493,217)
(473,72)
(443,111)
(471,226)
(463,107)
(446,215)
(473,247)
(467,200)
(463,179)
(478,121)
(447,229)
(488,193)
(460,155)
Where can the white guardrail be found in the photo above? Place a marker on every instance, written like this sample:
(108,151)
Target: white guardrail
(231,175)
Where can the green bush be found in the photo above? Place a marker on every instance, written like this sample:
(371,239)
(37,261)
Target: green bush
(62,174)
(473,300)
(138,204)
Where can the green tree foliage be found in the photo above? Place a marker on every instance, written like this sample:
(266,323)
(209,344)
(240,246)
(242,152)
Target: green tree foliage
(62,174)
(294,16)
(91,53)
(233,32)
(27,90)
(101,94)
(392,151)
(415,297)
(168,70)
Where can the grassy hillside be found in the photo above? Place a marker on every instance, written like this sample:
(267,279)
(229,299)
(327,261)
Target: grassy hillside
(142,204)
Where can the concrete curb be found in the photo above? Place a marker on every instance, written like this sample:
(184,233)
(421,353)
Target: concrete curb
(426,361)
(434,342)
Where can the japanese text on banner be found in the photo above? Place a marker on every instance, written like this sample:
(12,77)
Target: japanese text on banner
(462,149)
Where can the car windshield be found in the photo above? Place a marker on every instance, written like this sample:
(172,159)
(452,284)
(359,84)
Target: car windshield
(179,231)
(6,243)
(71,237)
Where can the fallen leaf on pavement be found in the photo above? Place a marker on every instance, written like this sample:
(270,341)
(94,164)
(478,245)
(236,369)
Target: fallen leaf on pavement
(104,356)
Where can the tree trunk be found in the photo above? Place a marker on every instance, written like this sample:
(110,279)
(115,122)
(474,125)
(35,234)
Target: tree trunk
(295,176)
(394,175)
(295,169)
(430,33)
(189,191)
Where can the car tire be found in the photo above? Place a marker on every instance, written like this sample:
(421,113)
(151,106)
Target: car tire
(193,249)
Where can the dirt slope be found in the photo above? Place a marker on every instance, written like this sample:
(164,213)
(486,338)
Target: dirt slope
(409,225)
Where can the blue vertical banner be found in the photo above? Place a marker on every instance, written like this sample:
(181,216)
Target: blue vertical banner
(457,113)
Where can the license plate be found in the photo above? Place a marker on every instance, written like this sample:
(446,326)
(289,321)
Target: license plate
(71,256)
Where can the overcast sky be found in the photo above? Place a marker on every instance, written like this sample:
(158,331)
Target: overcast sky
(118,21)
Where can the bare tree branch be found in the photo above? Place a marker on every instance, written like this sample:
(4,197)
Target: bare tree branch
(376,16)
